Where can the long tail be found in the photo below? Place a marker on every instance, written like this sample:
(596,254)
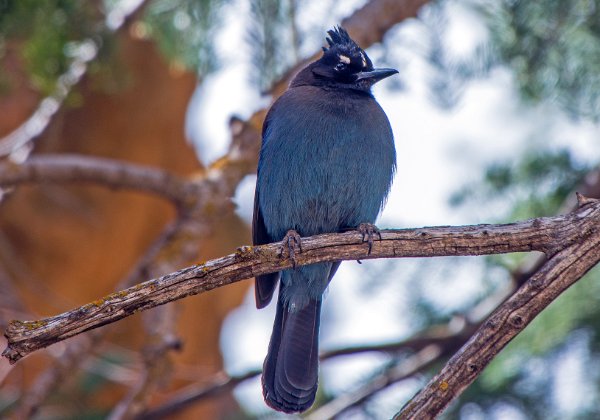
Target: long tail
(291,369)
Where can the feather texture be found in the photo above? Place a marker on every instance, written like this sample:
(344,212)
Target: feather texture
(326,165)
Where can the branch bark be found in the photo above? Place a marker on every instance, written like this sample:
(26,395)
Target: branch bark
(555,276)
(560,237)
(111,173)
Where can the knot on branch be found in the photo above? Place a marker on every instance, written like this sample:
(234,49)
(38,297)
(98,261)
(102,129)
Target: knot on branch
(516,320)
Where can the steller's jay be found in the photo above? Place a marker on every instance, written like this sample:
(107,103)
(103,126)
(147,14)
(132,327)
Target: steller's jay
(326,165)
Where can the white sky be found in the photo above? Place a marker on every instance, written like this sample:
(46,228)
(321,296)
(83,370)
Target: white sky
(438,152)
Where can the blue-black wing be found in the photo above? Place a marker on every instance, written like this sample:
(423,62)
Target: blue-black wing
(264,285)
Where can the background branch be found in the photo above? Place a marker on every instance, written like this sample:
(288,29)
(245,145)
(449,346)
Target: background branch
(440,336)
(192,394)
(397,372)
(111,173)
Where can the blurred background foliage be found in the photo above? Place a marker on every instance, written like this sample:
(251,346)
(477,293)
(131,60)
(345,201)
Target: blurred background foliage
(184,30)
(552,49)
(44,31)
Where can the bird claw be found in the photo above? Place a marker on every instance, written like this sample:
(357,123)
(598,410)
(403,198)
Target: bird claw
(290,242)
(368,231)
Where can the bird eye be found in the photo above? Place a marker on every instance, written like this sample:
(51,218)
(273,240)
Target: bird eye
(340,66)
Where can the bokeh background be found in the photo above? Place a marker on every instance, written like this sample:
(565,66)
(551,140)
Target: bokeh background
(495,114)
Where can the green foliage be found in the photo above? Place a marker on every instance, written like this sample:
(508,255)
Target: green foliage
(537,184)
(273,39)
(451,74)
(42,29)
(553,47)
(184,31)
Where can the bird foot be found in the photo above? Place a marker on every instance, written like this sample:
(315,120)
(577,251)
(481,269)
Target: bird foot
(291,243)
(368,231)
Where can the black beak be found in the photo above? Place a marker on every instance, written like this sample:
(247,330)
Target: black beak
(375,75)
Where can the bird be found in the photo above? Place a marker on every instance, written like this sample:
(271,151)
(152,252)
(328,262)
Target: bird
(326,164)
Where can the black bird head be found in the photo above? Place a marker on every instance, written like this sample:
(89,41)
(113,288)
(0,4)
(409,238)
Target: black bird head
(344,64)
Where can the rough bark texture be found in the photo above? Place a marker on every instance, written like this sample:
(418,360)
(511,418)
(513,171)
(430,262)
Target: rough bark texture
(570,241)
(576,257)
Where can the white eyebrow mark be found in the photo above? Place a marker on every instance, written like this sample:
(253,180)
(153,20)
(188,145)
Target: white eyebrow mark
(344,59)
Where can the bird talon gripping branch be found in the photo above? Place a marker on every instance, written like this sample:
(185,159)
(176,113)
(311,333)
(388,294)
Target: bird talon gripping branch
(368,231)
(291,241)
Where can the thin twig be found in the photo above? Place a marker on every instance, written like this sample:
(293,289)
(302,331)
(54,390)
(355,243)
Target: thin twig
(436,336)
(409,367)
(192,394)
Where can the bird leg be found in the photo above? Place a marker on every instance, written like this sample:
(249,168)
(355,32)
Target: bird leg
(368,231)
(291,241)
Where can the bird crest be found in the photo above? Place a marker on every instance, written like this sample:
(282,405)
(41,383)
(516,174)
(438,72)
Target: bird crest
(345,49)
(338,36)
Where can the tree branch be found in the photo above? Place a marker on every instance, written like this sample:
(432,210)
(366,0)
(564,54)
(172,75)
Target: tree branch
(111,173)
(573,232)
(555,276)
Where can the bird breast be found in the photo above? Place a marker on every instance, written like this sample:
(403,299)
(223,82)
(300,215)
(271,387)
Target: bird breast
(326,163)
